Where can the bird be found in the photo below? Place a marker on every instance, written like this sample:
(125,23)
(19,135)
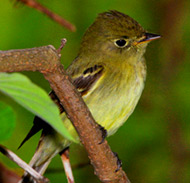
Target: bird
(109,72)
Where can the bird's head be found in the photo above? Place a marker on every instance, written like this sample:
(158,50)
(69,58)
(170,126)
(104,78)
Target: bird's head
(115,34)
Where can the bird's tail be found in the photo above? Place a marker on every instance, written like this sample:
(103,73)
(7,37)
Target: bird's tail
(48,147)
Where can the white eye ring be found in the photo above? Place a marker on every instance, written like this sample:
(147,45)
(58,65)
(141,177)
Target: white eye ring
(120,43)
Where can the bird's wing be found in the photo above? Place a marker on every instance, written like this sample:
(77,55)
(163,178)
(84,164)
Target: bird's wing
(83,82)
(87,79)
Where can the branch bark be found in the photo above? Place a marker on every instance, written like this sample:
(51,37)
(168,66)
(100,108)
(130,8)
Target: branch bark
(46,60)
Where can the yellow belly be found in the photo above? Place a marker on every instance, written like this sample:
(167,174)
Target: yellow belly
(110,101)
(112,105)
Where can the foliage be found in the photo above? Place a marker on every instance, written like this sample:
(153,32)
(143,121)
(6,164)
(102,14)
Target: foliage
(7,124)
(33,98)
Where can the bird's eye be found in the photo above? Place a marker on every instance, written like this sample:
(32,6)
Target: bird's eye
(121,43)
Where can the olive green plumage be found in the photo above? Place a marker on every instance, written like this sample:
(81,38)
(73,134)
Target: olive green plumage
(109,72)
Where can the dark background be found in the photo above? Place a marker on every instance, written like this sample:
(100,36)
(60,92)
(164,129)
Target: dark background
(154,144)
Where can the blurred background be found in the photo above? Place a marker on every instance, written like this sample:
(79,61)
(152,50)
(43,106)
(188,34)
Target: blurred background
(154,144)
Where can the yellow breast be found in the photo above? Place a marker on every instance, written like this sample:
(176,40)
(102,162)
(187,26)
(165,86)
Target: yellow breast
(116,95)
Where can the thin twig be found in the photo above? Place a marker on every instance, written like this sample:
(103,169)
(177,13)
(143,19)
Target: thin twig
(67,165)
(34,4)
(63,42)
(12,156)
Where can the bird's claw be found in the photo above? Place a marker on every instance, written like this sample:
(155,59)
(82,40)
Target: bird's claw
(104,133)
(119,162)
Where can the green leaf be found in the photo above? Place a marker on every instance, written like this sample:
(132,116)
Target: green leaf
(7,121)
(34,99)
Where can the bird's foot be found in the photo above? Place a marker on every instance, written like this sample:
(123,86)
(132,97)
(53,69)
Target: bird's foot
(119,162)
(104,133)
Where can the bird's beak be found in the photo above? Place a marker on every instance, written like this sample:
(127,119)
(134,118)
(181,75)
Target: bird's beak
(148,37)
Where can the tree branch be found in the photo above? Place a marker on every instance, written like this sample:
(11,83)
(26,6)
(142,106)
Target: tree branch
(46,60)
(12,156)
(34,4)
